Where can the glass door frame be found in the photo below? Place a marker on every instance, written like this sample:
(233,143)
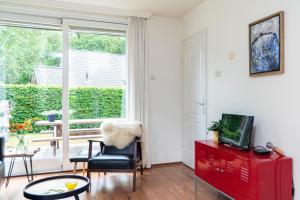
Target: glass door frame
(64,24)
(66,27)
(46,164)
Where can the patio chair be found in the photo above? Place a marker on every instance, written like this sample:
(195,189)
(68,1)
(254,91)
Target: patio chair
(112,159)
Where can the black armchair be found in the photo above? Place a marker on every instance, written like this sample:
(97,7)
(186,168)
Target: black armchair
(2,141)
(112,159)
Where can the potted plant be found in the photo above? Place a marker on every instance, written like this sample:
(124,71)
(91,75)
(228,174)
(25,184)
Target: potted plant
(51,115)
(216,127)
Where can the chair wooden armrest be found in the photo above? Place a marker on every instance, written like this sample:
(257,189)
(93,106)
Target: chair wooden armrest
(94,140)
(137,151)
(91,147)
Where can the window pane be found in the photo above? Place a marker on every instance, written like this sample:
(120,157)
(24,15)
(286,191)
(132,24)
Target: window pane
(97,82)
(29,64)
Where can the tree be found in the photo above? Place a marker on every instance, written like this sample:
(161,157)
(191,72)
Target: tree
(24,49)
(100,43)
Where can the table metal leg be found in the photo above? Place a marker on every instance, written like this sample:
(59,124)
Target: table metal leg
(76,197)
(11,166)
(54,148)
(26,168)
(30,160)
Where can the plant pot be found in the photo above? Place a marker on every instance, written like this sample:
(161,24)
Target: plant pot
(216,136)
(51,118)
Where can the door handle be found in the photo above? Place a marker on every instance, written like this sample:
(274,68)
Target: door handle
(200,104)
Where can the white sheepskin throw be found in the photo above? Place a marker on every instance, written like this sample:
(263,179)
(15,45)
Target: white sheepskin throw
(120,134)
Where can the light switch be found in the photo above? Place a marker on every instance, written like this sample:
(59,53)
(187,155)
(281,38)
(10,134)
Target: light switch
(218,73)
(152,77)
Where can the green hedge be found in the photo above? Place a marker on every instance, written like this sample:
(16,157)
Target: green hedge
(29,101)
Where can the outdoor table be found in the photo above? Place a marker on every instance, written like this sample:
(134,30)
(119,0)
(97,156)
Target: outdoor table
(20,154)
(57,132)
(57,124)
(54,187)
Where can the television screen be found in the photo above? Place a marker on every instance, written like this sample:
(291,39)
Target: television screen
(237,130)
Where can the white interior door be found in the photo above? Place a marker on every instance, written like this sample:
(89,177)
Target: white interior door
(194,86)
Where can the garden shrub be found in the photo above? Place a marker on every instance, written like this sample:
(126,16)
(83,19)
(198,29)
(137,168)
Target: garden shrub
(29,101)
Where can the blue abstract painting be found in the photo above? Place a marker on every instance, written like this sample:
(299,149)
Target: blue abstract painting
(265,46)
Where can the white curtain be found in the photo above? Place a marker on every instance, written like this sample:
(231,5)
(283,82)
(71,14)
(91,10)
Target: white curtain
(138,79)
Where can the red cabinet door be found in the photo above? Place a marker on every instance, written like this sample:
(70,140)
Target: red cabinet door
(201,161)
(229,172)
(202,166)
(207,164)
(213,167)
(247,179)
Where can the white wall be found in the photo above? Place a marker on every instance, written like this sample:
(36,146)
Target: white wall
(273,100)
(165,36)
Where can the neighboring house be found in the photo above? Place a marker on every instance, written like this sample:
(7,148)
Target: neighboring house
(87,68)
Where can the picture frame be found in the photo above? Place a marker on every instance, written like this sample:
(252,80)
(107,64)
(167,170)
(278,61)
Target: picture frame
(266,45)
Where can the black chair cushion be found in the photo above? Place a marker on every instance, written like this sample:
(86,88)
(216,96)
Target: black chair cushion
(83,156)
(111,162)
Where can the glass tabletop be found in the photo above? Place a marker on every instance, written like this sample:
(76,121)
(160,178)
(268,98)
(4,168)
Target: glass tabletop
(56,185)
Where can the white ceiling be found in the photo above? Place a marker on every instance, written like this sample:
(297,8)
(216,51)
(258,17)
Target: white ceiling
(168,8)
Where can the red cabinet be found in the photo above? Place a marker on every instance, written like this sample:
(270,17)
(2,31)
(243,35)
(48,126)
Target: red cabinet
(244,175)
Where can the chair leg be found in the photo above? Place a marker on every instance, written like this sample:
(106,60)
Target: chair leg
(75,168)
(142,170)
(104,173)
(83,169)
(134,180)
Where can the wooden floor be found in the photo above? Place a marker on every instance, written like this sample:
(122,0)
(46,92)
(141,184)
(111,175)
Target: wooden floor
(168,182)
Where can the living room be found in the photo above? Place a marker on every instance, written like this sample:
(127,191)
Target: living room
(174,66)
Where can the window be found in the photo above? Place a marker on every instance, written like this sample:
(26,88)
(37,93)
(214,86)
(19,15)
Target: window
(32,84)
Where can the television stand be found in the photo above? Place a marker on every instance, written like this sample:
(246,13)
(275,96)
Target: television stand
(243,175)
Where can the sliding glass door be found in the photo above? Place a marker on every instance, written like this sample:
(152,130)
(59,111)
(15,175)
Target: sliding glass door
(97,84)
(30,89)
(57,85)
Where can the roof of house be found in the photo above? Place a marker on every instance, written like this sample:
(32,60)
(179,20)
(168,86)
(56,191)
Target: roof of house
(87,68)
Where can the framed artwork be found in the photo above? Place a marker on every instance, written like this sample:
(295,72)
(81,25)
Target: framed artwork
(266,45)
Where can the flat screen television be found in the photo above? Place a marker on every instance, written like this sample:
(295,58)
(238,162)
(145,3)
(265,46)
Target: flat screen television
(237,130)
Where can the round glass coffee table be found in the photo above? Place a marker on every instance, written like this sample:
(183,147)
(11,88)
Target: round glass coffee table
(57,187)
